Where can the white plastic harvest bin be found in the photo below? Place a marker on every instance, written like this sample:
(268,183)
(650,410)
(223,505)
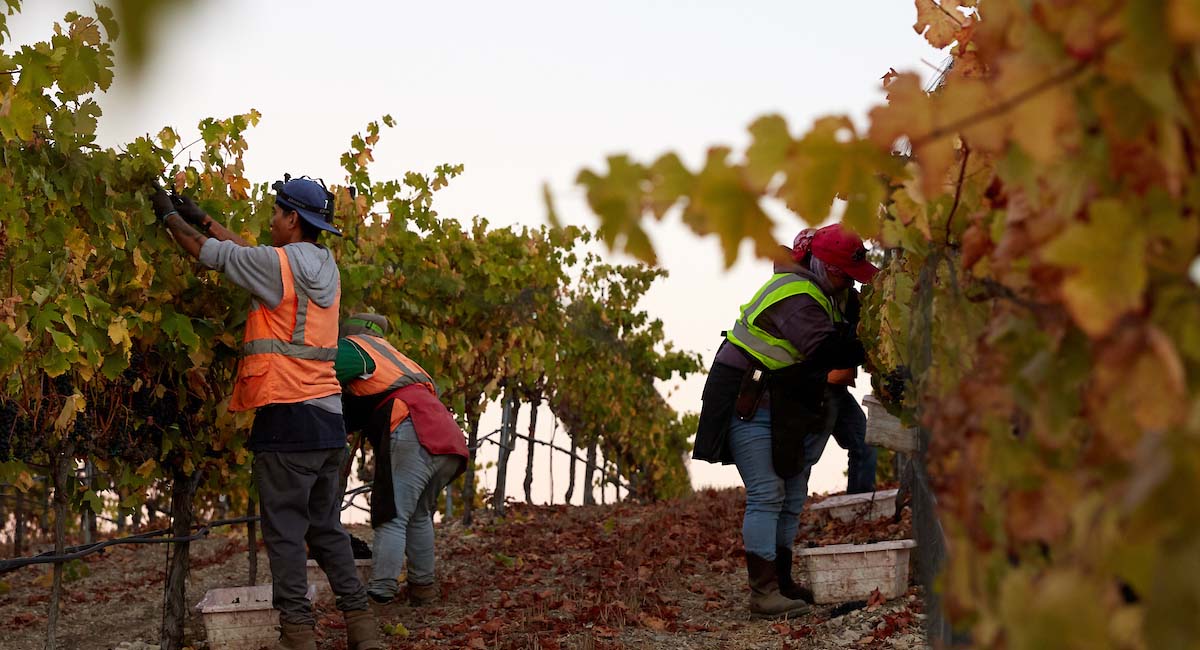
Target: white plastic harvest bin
(866,506)
(885,429)
(241,618)
(317,577)
(845,572)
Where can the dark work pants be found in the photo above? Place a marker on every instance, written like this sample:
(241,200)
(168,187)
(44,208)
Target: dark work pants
(300,493)
(850,433)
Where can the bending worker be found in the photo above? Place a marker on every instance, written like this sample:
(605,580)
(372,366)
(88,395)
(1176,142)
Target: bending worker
(764,403)
(286,374)
(419,450)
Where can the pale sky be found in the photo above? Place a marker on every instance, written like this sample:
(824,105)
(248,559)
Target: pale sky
(522,93)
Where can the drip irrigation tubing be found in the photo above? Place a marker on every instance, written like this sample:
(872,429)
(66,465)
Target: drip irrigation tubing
(148,537)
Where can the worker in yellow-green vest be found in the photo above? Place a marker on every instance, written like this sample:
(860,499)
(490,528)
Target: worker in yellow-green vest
(764,401)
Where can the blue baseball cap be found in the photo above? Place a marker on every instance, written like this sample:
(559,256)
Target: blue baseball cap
(309,199)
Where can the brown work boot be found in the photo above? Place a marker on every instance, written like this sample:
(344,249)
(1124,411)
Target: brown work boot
(419,595)
(363,629)
(765,599)
(296,636)
(788,586)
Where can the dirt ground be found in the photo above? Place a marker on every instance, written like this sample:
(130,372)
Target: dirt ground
(666,575)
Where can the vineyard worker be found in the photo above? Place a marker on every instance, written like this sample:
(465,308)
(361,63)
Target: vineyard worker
(419,450)
(286,373)
(846,421)
(764,403)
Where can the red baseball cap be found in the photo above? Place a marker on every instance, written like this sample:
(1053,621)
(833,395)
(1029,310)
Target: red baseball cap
(839,247)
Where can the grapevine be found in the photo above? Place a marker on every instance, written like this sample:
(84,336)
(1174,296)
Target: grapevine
(1035,314)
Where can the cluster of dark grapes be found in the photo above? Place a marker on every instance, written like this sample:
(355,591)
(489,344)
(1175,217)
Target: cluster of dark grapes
(155,412)
(121,422)
(15,432)
(894,383)
(63,386)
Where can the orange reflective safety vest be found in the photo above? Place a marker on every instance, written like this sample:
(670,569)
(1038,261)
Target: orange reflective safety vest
(399,380)
(288,351)
(393,371)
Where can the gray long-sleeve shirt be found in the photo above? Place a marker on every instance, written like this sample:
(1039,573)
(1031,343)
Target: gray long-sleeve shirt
(256,269)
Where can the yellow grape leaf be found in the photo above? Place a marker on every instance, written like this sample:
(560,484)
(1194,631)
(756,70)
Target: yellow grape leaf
(116,235)
(1095,294)
(146,469)
(1183,20)
(1157,384)
(72,405)
(960,101)
(939,24)
(1035,122)
(143,271)
(239,187)
(169,139)
(910,112)
(118,332)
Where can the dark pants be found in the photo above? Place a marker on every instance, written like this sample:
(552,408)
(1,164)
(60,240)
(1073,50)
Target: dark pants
(850,432)
(300,493)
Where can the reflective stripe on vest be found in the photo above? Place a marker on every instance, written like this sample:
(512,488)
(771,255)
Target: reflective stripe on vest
(393,370)
(288,351)
(774,352)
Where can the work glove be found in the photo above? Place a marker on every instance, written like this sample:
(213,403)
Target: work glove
(161,202)
(188,209)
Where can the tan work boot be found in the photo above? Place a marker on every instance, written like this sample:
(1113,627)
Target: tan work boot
(788,586)
(363,629)
(419,595)
(765,599)
(296,636)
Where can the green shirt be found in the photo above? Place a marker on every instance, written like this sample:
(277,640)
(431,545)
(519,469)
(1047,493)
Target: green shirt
(352,361)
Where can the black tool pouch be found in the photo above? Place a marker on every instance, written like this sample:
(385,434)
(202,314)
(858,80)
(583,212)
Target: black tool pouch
(798,410)
(750,392)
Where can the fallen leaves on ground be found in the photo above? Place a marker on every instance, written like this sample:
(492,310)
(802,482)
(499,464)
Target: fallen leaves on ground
(659,576)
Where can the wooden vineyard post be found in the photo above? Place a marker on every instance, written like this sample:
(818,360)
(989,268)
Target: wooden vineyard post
(533,414)
(183,488)
(571,479)
(589,474)
(508,425)
(468,488)
(61,471)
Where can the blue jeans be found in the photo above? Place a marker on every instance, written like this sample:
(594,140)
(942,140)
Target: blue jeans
(849,428)
(417,478)
(773,504)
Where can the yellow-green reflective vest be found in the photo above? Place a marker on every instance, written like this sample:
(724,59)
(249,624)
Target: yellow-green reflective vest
(771,351)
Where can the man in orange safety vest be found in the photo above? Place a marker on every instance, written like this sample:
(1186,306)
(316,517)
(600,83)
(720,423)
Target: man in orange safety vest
(286,374)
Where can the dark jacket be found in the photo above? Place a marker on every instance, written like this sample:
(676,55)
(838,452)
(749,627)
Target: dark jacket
(796,394)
